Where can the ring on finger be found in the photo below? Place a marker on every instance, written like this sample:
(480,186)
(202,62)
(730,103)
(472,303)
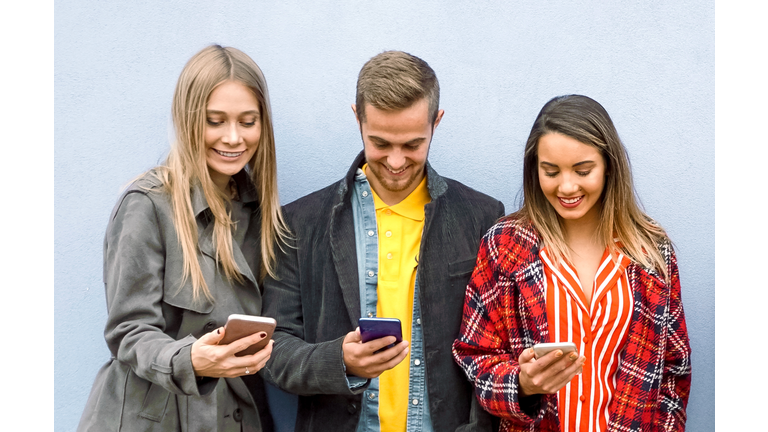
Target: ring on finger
(246,370)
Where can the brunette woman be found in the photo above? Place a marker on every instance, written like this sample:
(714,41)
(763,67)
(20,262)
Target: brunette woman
(580,262)
(186,246)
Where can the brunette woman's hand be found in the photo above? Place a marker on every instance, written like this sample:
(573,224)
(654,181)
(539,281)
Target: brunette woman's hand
(548,374)
(219,361)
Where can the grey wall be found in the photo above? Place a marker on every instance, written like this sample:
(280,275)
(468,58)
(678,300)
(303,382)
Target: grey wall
(651,64)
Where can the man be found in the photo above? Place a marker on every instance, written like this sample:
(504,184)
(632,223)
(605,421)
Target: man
(391,239)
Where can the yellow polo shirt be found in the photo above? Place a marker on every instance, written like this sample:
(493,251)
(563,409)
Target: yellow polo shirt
(400,227)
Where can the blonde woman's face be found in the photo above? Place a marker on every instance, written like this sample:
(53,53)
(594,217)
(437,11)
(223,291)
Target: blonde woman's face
(232,130)
(571,176)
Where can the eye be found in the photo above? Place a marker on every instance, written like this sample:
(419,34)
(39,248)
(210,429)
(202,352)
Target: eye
(550,173)
(212,122)
(583,173)
(248,124)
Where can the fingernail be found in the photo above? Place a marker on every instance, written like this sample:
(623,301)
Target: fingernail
(218,331)
(262,335)
(573,356)
(558,354)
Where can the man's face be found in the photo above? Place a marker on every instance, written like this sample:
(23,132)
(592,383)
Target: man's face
(396,147)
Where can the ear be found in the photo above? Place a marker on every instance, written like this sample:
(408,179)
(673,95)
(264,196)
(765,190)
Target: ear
(437,119)
(354,110)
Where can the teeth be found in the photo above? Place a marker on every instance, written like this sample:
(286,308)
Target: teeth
(227,154)
(397,172)
(570,201)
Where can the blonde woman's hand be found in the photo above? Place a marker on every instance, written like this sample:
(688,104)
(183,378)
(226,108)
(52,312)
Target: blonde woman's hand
(219,361)
(548,374)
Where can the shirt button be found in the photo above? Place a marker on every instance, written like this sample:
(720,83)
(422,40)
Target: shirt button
(415,401)
(582,398)
(586,340)
(370,233)
(371,396)
(365,193)
(370,273)
(387,212)
(417,362)
(389,256)
(370,314)
(389,233)
(418,321)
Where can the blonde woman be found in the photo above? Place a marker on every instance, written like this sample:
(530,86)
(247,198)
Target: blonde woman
(186,246)
(581,263)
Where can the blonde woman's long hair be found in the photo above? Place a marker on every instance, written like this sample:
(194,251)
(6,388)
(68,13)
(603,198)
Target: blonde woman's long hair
(621,217)
(186,165)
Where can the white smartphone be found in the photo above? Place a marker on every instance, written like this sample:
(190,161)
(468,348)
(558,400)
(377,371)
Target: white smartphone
(542,349)
(239,326)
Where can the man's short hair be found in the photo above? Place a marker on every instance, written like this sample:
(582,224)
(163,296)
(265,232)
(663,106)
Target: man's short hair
(395,80)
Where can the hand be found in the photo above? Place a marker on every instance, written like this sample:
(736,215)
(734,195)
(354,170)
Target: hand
(219,361)
(548,374)
(362,360)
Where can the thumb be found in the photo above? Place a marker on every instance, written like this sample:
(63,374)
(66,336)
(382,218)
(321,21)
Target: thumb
(212,338)
(526,356)
(353,336)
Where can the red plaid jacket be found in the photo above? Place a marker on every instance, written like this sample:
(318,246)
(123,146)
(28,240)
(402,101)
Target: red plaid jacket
(505,313)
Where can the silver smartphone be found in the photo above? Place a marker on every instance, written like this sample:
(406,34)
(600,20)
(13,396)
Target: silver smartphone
(542,349)
(239,326)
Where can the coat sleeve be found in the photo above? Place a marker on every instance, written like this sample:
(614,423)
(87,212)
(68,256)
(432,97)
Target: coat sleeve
(491,340)
(676,380)
(298,366)
(134,266)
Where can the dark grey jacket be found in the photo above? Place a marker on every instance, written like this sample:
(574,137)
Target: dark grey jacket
(316,301)
(149,383)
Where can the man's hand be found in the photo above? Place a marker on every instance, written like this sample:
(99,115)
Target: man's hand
(362,360)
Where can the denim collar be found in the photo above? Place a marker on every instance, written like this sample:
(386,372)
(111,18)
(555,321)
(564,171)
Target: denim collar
(435,184)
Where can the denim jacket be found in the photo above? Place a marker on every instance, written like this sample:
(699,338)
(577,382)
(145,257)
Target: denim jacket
(315,298)
(366,241)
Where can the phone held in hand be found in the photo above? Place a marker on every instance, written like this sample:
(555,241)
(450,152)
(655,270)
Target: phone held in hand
(239,326)
(376,328)
(542,349)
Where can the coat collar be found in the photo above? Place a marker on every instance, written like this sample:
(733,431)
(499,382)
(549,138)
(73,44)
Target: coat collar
(245,188)
(248,196)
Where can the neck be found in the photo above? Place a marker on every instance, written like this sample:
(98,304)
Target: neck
(221,181)
(583,230)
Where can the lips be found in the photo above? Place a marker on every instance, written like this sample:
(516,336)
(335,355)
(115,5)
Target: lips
(570,202)
(228,154)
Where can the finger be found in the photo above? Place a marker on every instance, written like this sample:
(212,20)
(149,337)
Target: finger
(374,345)
(543,363)
(526,356)
(213,337)
(398,358)
(243,343)
(560,380)
(353,336)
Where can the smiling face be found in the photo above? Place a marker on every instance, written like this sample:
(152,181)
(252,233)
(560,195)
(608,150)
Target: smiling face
(572,177)
(232,130)
(396,147)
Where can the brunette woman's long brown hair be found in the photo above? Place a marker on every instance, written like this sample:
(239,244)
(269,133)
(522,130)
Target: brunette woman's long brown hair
(621,216)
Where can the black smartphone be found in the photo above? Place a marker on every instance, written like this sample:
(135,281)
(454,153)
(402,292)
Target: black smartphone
(376,328)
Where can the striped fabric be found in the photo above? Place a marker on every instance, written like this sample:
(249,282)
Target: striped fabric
(599,330)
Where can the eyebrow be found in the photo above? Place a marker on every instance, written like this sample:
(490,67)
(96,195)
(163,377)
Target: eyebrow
(251,112)
(383,141)
(577,164)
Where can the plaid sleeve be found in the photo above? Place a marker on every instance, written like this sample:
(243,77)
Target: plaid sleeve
(676,381)
(490,340)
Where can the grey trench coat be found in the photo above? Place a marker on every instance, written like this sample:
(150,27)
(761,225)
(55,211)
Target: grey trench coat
(149,383)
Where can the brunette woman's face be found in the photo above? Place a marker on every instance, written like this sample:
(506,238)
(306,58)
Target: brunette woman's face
(232,130)
(571,176)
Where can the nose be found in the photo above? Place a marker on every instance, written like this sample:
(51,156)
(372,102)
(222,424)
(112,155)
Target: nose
(396,159)
(232,135)
(568,185)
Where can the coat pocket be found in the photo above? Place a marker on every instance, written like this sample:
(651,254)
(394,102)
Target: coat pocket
(155,403)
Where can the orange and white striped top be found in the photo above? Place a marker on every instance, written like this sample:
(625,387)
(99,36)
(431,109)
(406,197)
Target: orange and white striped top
(599,331)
